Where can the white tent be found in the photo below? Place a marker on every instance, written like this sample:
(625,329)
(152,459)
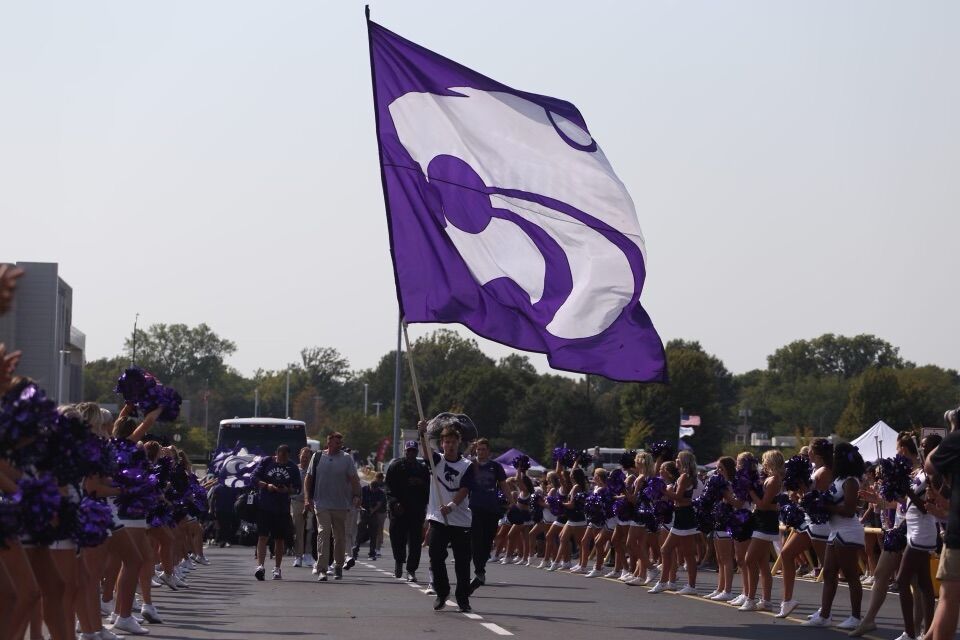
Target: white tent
(879,441)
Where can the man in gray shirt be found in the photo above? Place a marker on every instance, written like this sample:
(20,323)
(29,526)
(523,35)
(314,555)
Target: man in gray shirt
(332,489)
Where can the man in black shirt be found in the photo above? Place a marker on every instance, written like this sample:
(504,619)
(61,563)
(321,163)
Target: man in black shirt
(945,461)
(485,504)
(408,490)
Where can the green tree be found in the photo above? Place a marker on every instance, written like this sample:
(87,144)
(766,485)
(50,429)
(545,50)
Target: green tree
(832,355)
(100,378)
(639,433)
(178,354)
(875,395)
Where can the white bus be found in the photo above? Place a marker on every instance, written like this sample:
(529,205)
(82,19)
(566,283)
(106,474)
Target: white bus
(607,457)
(262,436)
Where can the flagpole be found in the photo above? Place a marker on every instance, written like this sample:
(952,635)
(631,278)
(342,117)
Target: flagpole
(427,453)
(679,437)
(397,378)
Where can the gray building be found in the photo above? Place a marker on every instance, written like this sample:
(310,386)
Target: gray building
(40,325)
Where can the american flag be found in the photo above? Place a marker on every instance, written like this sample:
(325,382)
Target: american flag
(689,421)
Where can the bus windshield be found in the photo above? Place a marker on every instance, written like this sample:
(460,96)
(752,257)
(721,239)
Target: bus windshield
(262,439)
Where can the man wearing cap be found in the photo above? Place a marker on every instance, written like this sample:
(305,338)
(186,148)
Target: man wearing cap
(408,490)
(332,488)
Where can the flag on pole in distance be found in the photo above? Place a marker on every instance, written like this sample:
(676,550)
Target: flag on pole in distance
(689,421)
(686,431)
(505,216)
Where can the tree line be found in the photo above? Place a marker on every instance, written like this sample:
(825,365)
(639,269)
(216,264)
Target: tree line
(829,384)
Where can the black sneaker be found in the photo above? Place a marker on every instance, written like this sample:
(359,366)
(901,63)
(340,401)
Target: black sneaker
(411,576)
(259,573)
(464,606)
(338,574)
(350,563)
(398,570)
(475,584)
(439,603)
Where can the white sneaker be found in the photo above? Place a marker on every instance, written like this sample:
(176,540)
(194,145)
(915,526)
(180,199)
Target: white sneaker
(168,579)
(652,574)
(180,582)
(593,573)
(687,590)
(904,636)
(106,607)
(868,581)
(633,581)
(723,596)
(566,564)
(736,602)
(764,605)
(202,560)
(130,626)
(150,614)
(624,576)
(106,634)
(543,563)
(554,566)
(316,569)
(307,560)
(155,581)
(816,621)
(786,607)
(749,604)
(713,594)
(297,562)
(276,574)
(849,624)
(663,586)
(578,569)
(114,617)
(504,560)
(613,574)
(575,568)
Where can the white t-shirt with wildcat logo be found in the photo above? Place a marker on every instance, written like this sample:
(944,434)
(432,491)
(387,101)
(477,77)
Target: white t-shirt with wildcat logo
(451,477)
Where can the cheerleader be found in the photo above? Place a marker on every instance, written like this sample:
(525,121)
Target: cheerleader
(598,532)
(552,523)
(746,463)
(622,531)
(639,540)
(127,430)
(810,536)
(542,520)
(684,527)
(520,516)
(501,550)
(576,520)
(722,542)
(894,541)
(846,538)
(921,542)
(766,532)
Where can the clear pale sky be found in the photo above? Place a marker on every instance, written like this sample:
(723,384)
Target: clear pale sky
(794,165)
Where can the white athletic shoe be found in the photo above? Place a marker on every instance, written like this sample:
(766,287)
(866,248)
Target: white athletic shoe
(578,569)
(613,574)
(566,564)
(307,560)
(504,560)
(180,582)
(106,607)
(168,579)
(764,605)
(712,594)
(786,607)
(297,562)
(155,581)
(150,614)
(687,590)
(904,636)
(633,581)
(652,575)
(723,596)
(663,586)
(749,604)
(849,624)
(624,576)
(593,573)
(106,634)
(554,566)
(816,621)
(130,626)
(543,564)
(202,560)
(739,600)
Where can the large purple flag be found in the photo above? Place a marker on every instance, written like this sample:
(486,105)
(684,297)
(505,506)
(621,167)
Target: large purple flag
(505,216)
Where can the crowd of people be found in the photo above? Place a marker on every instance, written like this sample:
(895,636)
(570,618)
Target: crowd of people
(94,513)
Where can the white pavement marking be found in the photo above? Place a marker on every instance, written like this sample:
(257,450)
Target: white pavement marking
(473,616)
(497,629)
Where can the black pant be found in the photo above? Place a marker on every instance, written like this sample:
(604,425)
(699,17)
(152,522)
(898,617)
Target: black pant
(483,531)
(226,527)
(458,538)
(406,536)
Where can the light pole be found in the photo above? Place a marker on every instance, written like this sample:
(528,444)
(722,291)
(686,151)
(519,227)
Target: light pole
(133,358)
(63,353)
(286,410)
(206,412)
(366,389)
(377,404)
(256,402)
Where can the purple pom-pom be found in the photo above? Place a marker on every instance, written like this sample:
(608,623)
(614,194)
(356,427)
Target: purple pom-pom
(703,512)
(722,512)
(521,463)
(791,514)
(40,505)
(747,478)
(565,456)
(814,503)
(584,458)
(10,515)
(555,504)
(663,510)
(895,539)
(134,384)
(92,525)
(617,481)
(797,473)
(660,450)
(895,476)
(715,487)
(25,411)
(623,509)
(598,506)
(740,525)
(644,515)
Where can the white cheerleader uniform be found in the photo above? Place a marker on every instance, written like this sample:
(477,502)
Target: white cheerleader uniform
(846,531)
(921,527)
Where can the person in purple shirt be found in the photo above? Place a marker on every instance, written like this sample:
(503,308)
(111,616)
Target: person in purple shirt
(277,477)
